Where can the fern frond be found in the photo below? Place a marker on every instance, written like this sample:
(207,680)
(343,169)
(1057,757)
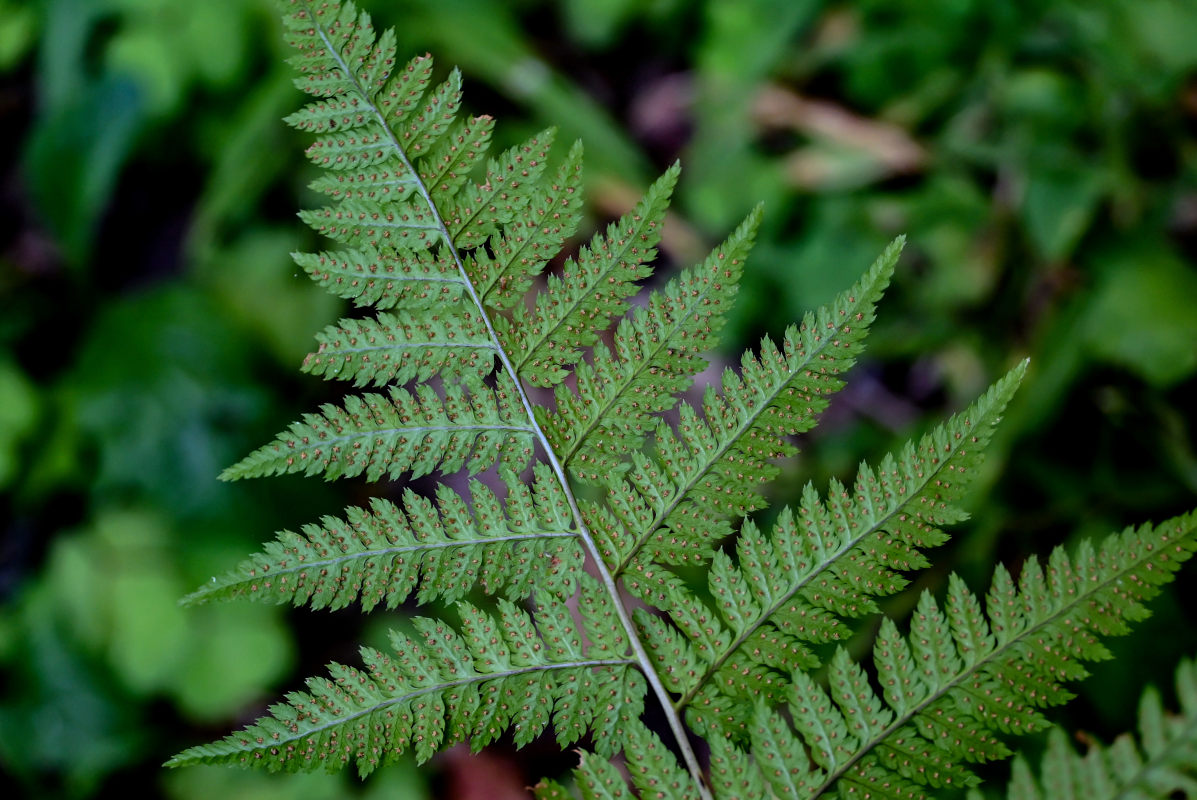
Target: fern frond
(1160,765)
(796,586)
(673,505)
(657,352)
(402,432)
(574,308)
(963,678)
(447,243)
(403,347)
(447,686)
(384,555)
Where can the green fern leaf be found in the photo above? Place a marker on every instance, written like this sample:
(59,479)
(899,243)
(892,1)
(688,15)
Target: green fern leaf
(1162,764)
(404,347)
(674,505)
(482,210)
(574,308)
(947,702)
(448,165)
(449,246)
(329,70)
(657,352)
(503,270)
(796,587)
(382,556)
(361,223)
(418,131)
(443,687)
(654,773)
(403,432)
(963,694)
(378,277)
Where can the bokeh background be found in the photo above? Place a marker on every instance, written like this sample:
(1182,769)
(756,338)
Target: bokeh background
(1041,157)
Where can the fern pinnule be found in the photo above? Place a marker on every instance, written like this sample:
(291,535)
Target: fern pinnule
(314,31)
(378,277)
(403,432)
(1161,764)
(404,347)
(962,679)
(389,273)
(383,555)
(673,504)
(650,765)
(450,684)
(816,570)
(656,352)
(503,270)
(575,307)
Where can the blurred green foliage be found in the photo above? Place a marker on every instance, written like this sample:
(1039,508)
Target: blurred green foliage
(1042,158)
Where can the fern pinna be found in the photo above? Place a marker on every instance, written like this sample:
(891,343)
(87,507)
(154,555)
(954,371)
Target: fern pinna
(451,249)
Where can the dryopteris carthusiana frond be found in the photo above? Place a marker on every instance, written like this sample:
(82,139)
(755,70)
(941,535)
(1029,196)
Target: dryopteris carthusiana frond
(450,248)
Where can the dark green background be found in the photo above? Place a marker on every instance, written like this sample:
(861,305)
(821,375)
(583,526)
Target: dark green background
(1041,157)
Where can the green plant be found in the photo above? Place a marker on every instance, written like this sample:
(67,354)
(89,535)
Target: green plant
(1163,761)
(617,487)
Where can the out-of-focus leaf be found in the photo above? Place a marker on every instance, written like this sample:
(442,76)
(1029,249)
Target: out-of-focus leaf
(18,413)
(1165,31)
(233,652)
(242,169)
(74,155)
(595,22)
(894,45)
(1058,206)
(166,46)
(1047,100)
(948,219)
(118,585)
(257,266)
(161,384)
(18,28)
(740,43)
(399,781)
(148,629)
(1141,315)
(813,269)
(58,714)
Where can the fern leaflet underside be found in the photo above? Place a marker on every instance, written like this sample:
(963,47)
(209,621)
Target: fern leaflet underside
(615,486)
(1162,763)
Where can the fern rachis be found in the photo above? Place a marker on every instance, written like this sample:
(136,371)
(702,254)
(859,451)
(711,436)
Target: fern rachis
(465,324)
